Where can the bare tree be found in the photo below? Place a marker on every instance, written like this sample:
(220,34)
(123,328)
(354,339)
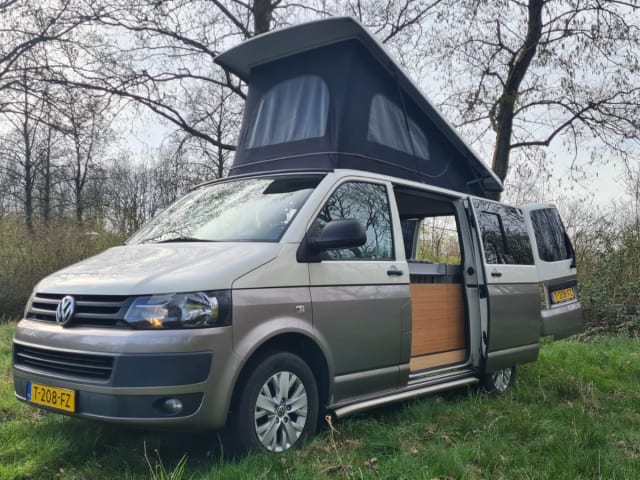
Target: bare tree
(86,124)
(220,116)
(126,196)
(27,25)
(542,70)
(21,163)
(31,36)
(138,190)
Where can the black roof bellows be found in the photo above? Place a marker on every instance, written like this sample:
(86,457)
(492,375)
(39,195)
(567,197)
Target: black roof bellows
(326,95)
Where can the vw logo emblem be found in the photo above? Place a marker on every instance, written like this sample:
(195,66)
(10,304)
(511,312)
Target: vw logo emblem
(66,309)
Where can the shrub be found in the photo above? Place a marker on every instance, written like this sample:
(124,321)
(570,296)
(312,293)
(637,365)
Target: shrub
(609,276)
(26,257)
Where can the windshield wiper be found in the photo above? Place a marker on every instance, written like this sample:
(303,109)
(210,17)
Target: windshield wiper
(184,239)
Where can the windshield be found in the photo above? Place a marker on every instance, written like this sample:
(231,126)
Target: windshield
(248,210)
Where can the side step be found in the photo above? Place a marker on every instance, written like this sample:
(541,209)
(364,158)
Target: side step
(403,395)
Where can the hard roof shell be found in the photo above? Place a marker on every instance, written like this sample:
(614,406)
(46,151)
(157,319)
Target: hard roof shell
(301,41)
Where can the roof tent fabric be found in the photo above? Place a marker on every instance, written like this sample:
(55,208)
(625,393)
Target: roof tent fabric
(326,95)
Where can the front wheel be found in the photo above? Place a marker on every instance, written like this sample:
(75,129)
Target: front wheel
(499,381)
(277,405)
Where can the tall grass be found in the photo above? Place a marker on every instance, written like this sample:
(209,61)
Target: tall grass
(26,257)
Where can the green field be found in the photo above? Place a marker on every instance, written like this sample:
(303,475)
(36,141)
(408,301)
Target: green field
(573,414)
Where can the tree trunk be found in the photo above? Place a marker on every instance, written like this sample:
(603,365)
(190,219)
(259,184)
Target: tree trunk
(46,188)
(28,163)
(262,15)
(504,110)
(78,197)
(28,189)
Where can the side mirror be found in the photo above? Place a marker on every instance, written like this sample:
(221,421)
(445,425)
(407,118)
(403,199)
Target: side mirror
(348,233)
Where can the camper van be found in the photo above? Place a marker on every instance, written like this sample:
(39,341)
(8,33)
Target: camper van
(351,258)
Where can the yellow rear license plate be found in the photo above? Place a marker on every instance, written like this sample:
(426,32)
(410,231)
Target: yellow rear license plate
(563,295)
(54,397)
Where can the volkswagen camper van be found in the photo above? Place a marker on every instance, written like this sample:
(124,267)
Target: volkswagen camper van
(351,259)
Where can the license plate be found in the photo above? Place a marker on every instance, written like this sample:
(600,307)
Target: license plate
(54,397)
(563,295)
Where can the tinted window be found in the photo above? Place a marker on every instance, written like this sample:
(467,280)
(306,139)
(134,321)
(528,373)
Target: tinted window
(367,203)
(388,127)
(295,109)
(504,235)
(551,238)
(493,238)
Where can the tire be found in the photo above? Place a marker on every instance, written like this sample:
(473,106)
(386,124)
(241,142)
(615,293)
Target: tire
(499,381)
(277,406)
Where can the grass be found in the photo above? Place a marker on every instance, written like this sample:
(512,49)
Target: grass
(573,414)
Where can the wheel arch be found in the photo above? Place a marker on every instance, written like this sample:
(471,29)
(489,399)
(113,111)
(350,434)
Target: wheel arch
(298,344)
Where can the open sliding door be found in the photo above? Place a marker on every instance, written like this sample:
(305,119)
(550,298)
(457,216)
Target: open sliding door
(511,281)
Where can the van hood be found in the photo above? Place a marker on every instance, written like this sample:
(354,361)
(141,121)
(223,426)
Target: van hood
(160,268)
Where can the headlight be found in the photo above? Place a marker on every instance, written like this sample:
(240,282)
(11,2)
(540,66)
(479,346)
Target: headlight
(181,310)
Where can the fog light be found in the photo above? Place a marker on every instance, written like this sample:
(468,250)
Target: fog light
(172,406)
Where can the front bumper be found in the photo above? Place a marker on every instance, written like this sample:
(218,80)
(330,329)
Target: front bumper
(139,409)
(126,376)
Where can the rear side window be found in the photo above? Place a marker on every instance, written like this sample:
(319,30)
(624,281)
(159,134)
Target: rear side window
(551,237)
(504,235)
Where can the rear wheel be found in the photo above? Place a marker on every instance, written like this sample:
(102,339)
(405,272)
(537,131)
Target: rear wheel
(499,381)
(277,405)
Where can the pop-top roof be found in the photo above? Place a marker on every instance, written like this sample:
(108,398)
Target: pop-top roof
(364,85)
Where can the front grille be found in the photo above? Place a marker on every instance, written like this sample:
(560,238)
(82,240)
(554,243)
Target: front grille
(94,367)
(91,310)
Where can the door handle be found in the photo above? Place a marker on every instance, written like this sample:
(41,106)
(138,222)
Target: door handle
(394,272)
(496,274)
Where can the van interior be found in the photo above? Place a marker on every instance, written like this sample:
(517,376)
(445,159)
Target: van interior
(432,246)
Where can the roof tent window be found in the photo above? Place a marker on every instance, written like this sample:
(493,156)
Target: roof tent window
(387,127)
(295,109)
(420,142)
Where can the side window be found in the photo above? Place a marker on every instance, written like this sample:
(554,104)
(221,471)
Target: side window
(504,235)
(551,238)
(493,237)
(438,241)
(296,109)
(368,203)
